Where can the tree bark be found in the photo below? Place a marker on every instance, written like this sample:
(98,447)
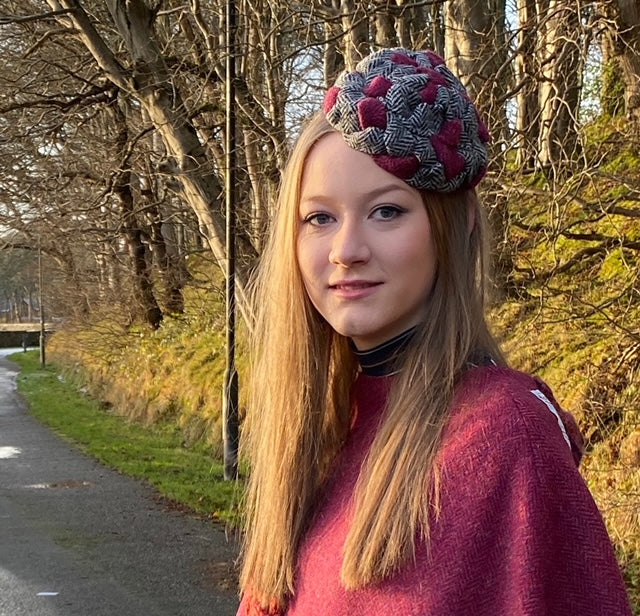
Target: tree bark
(333,59)
(168,260)
(528,115)
(560,61)
(407,24)
(476,51)
(355,24)
(140,262)
(622,42)
(385,32)
(630,58)
(437,29)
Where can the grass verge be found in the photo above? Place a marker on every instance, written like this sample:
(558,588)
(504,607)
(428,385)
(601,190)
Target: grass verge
(189,476)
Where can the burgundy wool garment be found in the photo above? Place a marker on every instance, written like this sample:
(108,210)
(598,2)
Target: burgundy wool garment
(518,533)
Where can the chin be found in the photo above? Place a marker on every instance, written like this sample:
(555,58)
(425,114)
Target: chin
(353,331)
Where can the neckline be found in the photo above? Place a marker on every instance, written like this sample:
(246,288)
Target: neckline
(381,360)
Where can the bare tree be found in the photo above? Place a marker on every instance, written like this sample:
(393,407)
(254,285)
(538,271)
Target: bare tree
(560,56)
(476,49)
(621,50)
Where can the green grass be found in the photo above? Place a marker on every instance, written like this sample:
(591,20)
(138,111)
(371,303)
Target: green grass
(186,475)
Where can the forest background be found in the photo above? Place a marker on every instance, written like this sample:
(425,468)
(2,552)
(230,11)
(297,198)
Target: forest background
(112,150)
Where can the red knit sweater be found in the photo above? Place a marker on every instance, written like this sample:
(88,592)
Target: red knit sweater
(518,532)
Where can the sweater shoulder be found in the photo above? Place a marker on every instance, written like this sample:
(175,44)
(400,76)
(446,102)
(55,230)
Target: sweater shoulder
(502,408)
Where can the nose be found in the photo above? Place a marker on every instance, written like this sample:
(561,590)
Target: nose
(349,246)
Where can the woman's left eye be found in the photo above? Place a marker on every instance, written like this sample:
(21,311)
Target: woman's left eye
(387,212)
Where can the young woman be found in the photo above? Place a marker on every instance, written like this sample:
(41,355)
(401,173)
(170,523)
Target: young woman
(398,466)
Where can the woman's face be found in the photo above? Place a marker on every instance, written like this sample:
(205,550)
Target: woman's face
(364,247)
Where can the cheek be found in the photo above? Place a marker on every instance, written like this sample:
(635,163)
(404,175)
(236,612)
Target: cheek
(309,275)
(415,250)
(301,258)
(307,263)
(422,261)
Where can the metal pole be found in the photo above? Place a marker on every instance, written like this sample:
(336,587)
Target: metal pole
(42,329)
(230,402)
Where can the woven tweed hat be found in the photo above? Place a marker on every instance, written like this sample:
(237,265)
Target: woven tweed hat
(413,116)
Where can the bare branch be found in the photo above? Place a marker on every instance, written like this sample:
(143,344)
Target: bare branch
(24,19)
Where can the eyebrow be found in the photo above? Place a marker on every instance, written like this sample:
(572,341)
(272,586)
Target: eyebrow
(372,194)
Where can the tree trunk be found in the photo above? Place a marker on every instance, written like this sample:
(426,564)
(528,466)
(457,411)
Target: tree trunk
(333,59)
(476,51)
(169,262)
(560,60)
(407,23)
(142,279)
(613,84)
(622,41)
(30,305)
(528,115)
(385,35)
(17,313)
(355,24)
(437,42)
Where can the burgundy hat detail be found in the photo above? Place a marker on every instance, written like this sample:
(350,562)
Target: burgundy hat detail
(402,167)
(434,58)
(413,116)
(372,112)
(379,86)
(403,58)
(445,143)
(330,99)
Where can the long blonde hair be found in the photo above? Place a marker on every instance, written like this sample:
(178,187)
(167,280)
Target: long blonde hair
(299,413)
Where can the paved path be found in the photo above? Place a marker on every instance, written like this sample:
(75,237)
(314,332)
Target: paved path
(78,539)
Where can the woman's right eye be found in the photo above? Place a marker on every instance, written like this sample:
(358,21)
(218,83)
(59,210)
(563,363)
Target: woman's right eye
(318,219)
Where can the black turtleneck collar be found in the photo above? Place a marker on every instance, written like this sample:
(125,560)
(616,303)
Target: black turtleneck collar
(381,360)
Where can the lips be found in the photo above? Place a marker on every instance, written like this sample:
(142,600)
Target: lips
(350,290)
(353,284)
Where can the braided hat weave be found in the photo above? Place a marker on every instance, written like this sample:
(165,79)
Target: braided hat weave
(414,117)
